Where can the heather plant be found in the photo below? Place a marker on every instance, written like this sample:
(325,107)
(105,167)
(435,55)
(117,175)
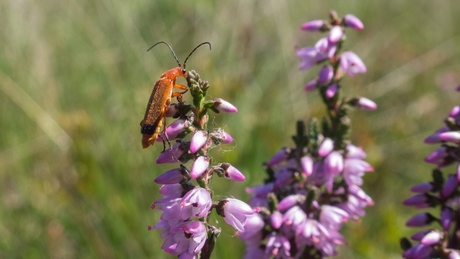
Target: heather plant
(186,207)
(312,188)
(442,194)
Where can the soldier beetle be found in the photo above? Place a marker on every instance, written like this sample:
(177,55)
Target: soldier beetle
(155,113)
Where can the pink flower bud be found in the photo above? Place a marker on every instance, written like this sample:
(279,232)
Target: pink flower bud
(224,106)
(231,173)
(326,74)
(198,141)
(307,165)
(351,63)
(172,111)
(332,90)
(171,155)
(310,86)
(196,203)
(431,238)
(176,175)
(314,25)
(279,157)
(326,147)
(276,219)
(235,212)
(199,167)
(335,34)
(451,136)
(366,104)
(174,129)
(455,111)
(353,22)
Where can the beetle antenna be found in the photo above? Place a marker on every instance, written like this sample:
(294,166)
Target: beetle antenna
(201,44)
(172,51)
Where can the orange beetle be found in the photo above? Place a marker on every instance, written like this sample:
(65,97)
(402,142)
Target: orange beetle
(160,98)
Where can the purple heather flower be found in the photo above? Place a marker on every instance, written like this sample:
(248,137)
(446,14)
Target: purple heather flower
(326,147)
(332,90)
(326,74)
(196,203)
(431,238)
(188,238)
(307,165)
(419,235)
(276,219)
(332,217)
(171,155)
(295,217)
(253,226)
(354,169)
(351,63)
(353,22)
(450,185)
(314,25)
(173,130)
(334,163)
(279,157)
(451,136)
(225,137)
(231,173)
(199,167)
(224,106)
(434,138)
(310,86)
(366,104)
(290,201)
(437,156)
(455,112)
(171,190)
(454,254)
(419,200)
(355,152)
(335,34)
(172,110)
(198,140)
(325,49)
(419,220)
(308,57)
(278,246)
(422,187)
(418,252)
(236,212)
(176,175)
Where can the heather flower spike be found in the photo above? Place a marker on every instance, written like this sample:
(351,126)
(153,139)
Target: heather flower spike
(313,188)
(185,206)
(441,195)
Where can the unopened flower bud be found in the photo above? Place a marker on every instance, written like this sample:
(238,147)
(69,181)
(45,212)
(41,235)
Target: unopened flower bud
(199,167)
(326,74)
(171,155)
(314,25)
(353,22)
(335,34)
(224,106)
(198,140)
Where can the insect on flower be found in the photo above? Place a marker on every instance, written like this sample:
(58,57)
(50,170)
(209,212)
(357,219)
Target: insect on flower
(155,113)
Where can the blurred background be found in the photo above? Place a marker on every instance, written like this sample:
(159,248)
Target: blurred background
(75,78)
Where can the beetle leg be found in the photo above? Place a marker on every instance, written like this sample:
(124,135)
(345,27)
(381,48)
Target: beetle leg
(179,94)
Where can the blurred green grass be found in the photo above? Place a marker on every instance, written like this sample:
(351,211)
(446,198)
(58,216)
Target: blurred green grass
(75,79)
